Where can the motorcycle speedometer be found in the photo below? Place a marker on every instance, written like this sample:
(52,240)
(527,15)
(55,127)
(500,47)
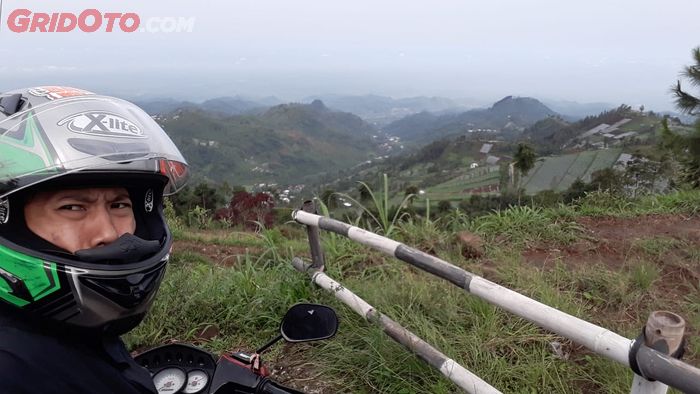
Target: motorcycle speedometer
(169,380)
(196,381)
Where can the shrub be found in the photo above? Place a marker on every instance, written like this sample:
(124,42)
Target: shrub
(248,209)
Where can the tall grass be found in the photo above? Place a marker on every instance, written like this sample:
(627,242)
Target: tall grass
(380,211)
(523,225)
(606,203)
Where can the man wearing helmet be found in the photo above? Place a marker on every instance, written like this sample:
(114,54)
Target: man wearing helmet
(83,240)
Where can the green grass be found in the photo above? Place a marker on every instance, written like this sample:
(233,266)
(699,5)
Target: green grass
(246,299)
(523,225)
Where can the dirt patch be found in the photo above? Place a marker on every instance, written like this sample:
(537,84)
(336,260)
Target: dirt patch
(220,254)
(293,370)
(669,243)
(614,241)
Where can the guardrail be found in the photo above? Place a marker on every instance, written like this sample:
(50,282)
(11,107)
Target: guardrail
(651,365)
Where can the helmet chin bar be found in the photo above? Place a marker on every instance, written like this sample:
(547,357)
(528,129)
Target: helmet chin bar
(126,249)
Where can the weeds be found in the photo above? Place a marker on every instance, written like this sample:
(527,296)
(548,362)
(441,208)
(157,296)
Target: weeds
(380,212)
(643,274)
(523,225)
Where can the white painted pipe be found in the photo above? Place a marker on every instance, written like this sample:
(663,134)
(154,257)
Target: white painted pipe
(461,376)
(595,338)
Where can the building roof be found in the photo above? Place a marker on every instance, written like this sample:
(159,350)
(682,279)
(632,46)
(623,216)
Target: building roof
(492,159)
(595,130)
(627,134)
(486,148)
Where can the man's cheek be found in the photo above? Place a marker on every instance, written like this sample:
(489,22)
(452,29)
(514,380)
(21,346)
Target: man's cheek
(126,225)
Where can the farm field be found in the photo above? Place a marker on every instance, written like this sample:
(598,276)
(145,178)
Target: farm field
(608,261)
(458,188)
(559,172)
(554,172)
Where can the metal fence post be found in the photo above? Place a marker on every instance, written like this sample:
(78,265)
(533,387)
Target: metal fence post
(317,258)
(668,328)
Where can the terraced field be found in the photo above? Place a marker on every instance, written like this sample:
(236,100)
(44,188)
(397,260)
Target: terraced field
(555,173)
(559,172)
(459,187)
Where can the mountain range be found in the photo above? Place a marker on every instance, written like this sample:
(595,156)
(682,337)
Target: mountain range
(510,114)
(282,144)
(221,105)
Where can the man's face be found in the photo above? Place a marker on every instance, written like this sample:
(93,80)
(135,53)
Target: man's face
(76,219)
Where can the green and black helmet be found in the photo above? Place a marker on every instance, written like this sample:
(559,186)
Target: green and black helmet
(55,138)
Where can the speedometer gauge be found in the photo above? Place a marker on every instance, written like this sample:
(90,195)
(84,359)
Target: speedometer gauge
(196,381)
(169,380)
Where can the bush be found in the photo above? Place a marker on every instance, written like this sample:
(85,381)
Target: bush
(444,206)
(174,221)
(248,209)
(199,217)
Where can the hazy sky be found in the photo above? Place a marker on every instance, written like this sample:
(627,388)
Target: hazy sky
(613,51)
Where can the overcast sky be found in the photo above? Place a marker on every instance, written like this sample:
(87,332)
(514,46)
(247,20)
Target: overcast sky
(613,51)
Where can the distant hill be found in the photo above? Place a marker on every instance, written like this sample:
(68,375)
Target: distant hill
(573,111)
(282,145)
(382,110)
(164,106)
(622,126)
(221,105)
(511,114)
(230,105)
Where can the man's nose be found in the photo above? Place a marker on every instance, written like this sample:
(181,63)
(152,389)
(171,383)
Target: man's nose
(102,229)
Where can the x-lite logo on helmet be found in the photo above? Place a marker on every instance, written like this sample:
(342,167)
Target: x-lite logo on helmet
(102,124)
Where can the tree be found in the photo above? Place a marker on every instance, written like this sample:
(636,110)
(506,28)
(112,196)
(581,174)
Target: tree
(685,101)
(207,197)
(411,193)
(686,147)
(248,209)
(640,174)
(328,198)
(608,179)
(444,206)
(365,194)
(524,159)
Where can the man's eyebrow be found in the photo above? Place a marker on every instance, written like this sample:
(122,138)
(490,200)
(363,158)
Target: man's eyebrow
(77,197)
(89,199)
(121,196)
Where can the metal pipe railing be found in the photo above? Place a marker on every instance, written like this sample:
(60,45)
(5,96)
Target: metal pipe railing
(462,377)
(598,339)
(317,257)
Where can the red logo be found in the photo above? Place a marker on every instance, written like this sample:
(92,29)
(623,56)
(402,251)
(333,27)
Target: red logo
(91,20)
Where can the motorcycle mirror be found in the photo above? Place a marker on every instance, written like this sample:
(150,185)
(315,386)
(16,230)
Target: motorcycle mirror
(309,322)
(306,323)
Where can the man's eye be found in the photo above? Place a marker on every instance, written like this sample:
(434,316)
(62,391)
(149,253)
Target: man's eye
(72,207)
(121,205)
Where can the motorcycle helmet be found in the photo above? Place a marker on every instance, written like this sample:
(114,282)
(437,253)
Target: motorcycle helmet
(55,138)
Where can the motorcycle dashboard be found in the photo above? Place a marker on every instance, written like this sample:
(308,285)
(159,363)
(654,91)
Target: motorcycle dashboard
(179,368)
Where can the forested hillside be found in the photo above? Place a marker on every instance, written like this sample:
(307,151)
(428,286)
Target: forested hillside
(283,144)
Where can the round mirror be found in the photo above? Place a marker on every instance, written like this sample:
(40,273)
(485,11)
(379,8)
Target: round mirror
(309,322)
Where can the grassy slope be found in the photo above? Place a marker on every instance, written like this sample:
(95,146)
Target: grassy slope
(245,294)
